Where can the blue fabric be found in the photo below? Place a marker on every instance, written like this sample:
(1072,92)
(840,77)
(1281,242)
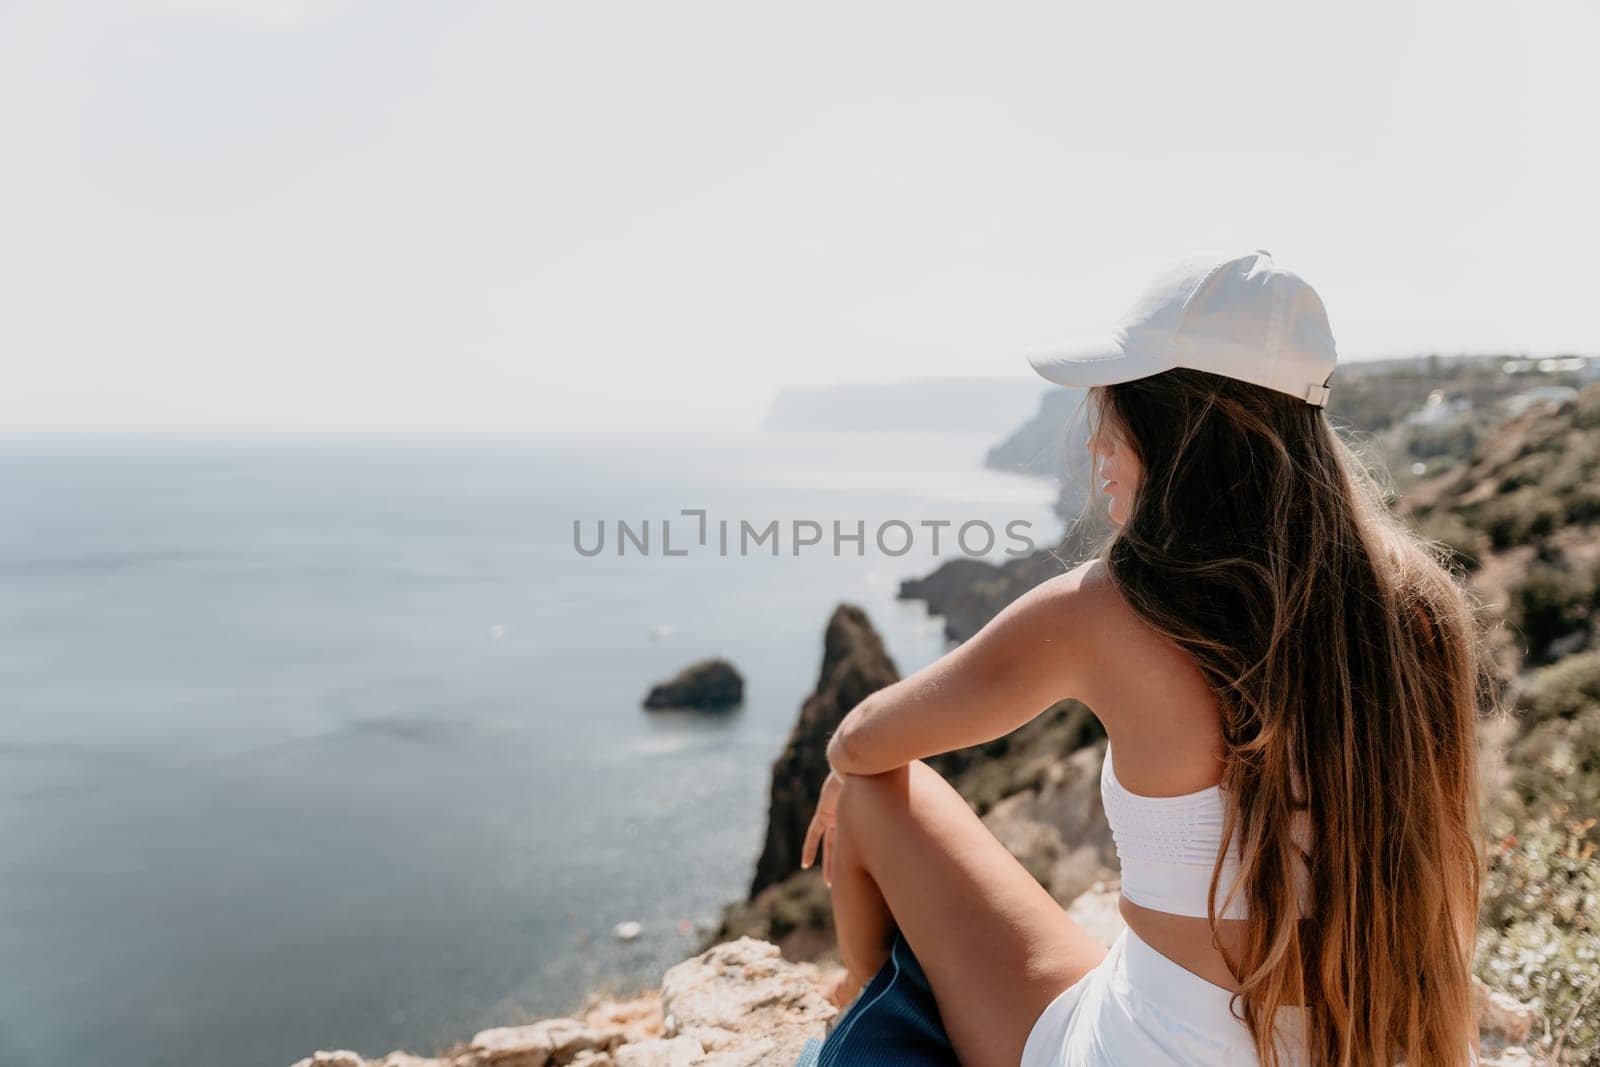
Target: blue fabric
(893,1022)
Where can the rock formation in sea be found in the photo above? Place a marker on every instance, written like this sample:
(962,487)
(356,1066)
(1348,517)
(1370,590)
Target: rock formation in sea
(711,685)
(1037,788)
(969,592)
(854,665)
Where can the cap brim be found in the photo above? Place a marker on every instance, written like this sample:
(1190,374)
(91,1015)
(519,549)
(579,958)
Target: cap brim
(1096,361)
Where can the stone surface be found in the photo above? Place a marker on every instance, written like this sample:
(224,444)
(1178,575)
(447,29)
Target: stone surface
(967,593)
(1502,1017)
(741,1004)
(738,1003)
(514,1046)
(711,685)
(552,1041)
(1038,789)
(1058,829)
(661,1052)
(636,1019)
(339,1058)
(743,989)
(1097,912)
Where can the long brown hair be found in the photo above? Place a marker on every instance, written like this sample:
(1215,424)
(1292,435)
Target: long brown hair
(1348,663)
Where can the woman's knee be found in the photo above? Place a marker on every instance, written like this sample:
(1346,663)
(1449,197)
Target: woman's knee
(871,800)
(865,797)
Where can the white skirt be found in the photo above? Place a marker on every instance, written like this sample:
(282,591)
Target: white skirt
(1139,1007)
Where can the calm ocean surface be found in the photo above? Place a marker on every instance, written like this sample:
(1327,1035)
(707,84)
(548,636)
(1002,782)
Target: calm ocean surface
(338,744)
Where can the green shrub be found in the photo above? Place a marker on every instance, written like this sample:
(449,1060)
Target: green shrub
(1519,516)
(1561,690)
(1532,469)
(1586,408)
(1539,934)
(1448,529)
(1551,601)
(1439,444)
(1583,506)
(1558,762)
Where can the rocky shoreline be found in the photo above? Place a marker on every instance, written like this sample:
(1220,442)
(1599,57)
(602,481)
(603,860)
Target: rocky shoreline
(755,992)
(1519,511)
(741,1004)
(735,1004)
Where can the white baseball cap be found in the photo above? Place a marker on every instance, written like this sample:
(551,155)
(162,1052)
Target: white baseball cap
(1240,315)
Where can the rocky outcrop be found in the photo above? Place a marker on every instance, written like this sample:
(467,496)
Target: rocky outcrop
(854,665)
(738,1004)
(1022,760)
(969,592)
(1043,805)
(711,685)
(795,913)
(744,1004)
(1058,829)
(1042,777)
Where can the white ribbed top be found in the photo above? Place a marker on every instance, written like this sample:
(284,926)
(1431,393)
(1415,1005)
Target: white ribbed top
(1168,847)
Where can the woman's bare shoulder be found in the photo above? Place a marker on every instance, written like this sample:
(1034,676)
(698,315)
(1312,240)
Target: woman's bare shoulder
(1080,612)
(1092,596)
(1143,679)
(1094,593)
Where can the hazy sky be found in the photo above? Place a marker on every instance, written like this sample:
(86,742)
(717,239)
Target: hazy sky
(388,214)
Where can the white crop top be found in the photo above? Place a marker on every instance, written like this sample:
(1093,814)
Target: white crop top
(1168,847)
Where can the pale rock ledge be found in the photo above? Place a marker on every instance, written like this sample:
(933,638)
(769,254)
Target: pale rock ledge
(740,1004)
(736,1004)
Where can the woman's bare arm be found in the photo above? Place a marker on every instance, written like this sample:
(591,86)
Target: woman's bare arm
(1035,652)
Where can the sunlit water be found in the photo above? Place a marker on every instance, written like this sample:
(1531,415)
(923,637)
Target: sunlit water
(339,743)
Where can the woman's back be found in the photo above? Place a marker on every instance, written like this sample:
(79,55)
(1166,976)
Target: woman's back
(1277,632)
(1165,728)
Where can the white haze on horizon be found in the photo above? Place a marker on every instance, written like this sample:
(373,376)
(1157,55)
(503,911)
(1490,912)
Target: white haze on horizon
(349,215)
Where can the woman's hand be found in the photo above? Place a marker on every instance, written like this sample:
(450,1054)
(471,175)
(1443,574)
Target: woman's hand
(822,826)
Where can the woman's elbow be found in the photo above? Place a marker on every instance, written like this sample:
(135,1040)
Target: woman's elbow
(843,752)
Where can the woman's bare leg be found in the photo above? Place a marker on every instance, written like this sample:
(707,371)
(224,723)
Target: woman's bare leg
(861,917)
(995,947)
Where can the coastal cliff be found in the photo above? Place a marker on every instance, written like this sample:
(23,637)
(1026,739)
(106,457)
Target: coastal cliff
(1518,505)
(1052,443)
(967,593)
(854,666)
(1045,442)
(1037,788)
(1517,500)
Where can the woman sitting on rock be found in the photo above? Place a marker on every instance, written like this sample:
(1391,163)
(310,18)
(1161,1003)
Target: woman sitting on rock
(1289,682)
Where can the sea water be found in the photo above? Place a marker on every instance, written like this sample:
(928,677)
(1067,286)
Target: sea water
(338,743)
